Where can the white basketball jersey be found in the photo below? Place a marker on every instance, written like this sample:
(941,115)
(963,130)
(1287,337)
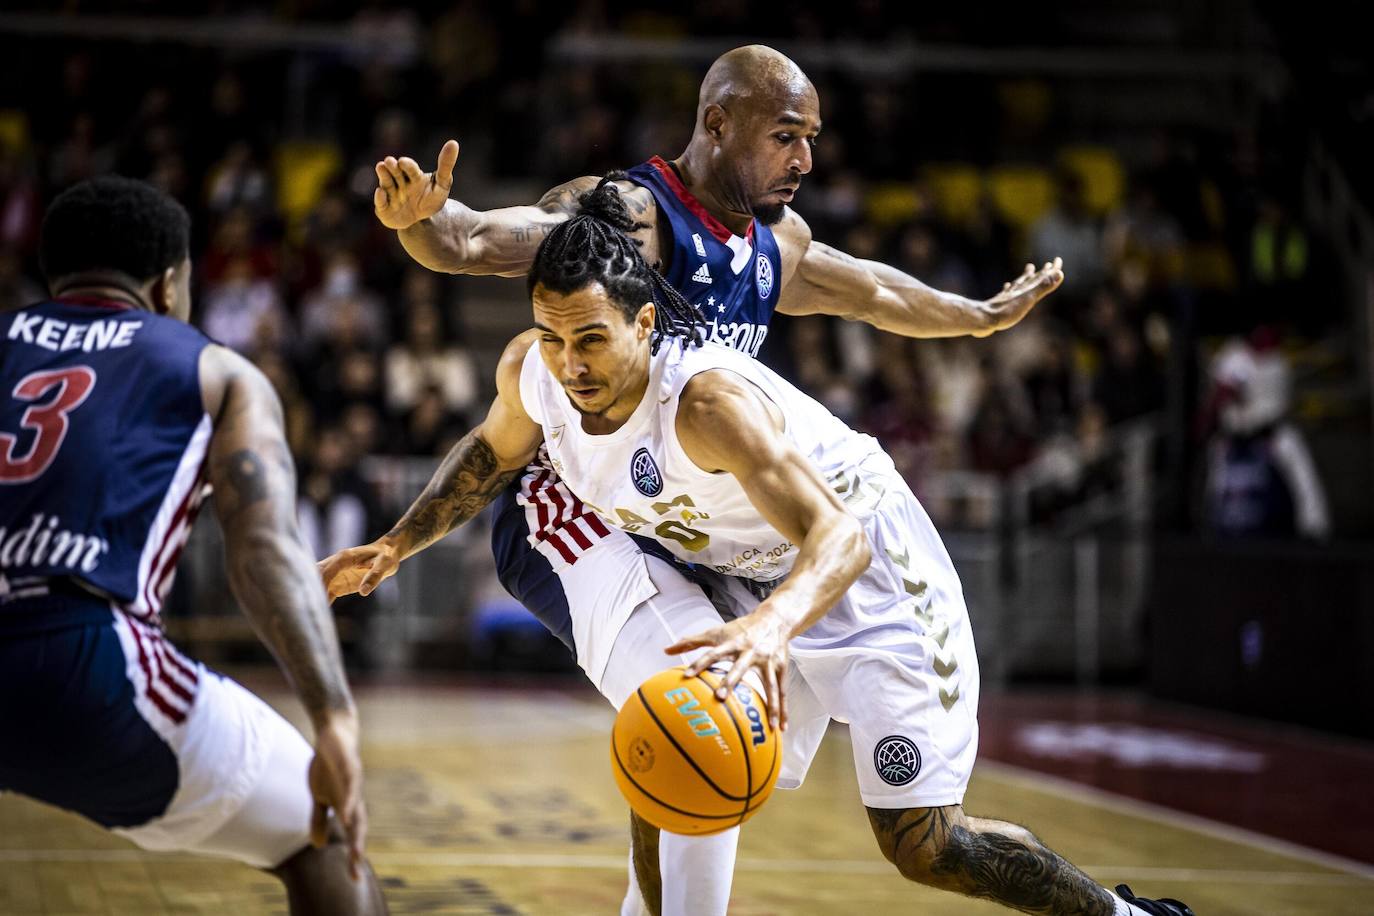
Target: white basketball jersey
(639,478)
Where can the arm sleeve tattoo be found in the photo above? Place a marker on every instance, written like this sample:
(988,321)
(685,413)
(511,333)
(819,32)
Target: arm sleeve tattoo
(469,478)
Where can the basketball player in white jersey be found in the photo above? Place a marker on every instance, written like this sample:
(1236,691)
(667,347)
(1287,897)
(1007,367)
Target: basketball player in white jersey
(716,222)
(849,607)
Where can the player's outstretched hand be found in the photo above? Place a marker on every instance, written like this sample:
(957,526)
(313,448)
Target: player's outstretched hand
(336,783)
(758,640)
(358,570)
(1019,296)
(405,195)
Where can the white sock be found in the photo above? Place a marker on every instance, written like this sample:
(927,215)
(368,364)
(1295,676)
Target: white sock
(1125,909)
(633,904)
(697,872)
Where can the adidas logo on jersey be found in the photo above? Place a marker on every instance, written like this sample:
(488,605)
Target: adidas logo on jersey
(702,275)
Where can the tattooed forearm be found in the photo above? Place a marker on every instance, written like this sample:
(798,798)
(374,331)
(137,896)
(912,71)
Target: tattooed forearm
(1018,872)
(469,478)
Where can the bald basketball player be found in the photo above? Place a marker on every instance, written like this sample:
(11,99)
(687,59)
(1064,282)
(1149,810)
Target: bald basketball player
(715,223)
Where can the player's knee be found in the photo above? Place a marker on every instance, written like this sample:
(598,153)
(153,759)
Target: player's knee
(918,840)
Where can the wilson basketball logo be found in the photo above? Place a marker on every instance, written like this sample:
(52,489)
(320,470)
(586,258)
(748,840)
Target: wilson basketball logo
(897,760)
(745,695)
(645,473)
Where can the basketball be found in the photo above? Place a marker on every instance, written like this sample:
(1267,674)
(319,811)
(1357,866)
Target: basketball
(689,763)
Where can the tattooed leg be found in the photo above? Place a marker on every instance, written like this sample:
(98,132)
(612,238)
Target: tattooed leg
(944,848)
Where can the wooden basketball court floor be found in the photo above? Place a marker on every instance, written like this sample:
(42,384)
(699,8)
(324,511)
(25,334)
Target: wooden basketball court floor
(501,801)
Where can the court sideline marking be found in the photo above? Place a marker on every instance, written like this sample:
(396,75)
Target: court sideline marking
(1036,781)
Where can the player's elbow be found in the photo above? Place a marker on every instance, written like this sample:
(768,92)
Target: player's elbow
(852,542)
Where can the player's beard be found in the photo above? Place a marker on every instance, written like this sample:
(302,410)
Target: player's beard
(768,214)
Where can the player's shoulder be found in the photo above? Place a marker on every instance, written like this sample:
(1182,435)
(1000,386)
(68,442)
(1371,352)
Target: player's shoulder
(224,372)
(791,232)
(512,361)
(717,395)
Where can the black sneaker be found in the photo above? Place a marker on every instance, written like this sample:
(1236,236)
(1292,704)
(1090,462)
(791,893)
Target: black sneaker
(1165,906)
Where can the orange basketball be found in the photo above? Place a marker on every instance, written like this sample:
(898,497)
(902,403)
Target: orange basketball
(689,763)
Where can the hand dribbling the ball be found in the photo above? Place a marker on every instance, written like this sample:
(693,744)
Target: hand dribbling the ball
(757,640)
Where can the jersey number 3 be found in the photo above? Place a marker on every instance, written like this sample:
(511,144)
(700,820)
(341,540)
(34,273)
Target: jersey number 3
(48,421)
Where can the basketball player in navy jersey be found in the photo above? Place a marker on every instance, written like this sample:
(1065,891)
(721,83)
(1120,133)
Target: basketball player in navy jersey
(715,223)
(116,420)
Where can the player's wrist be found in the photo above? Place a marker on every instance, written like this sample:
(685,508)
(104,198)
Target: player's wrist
(341,722)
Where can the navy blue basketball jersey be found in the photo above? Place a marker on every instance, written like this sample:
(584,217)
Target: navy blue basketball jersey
(734,281)
(103,441)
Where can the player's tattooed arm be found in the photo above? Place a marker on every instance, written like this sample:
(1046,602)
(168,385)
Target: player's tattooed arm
(270,570)
(473,473)
(469,478)
(942,847)
(819,279)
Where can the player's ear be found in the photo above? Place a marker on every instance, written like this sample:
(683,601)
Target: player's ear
(164,292)
(713,120)
(644,321)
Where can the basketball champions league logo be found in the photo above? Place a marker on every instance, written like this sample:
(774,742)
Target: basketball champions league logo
(645,473)
(764,276)
(897,760)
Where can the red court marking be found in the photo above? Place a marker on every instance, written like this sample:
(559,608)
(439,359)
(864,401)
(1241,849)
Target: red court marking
(1291,783)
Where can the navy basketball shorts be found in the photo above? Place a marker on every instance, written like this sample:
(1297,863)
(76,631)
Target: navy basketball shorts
(107,719)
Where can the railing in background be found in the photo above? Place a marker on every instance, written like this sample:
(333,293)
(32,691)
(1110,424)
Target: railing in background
(1049,597)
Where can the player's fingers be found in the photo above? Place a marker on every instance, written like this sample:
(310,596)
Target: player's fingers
(356,832)
(410,170)
(319,825)
(374,576)
(773,689)
(688,643)
(1030,269)
(738,669)
(443,172)
(706,659)
(384,176)
(380,198)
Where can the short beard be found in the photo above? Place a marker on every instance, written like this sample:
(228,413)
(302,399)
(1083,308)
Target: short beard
(769,214)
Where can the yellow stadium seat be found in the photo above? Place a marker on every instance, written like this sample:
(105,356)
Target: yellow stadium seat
(303,171)
(893,202)
(14,129)
(957,188)
(1103,176)
(1020,193)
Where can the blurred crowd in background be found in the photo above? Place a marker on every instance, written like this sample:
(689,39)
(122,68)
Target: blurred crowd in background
(1174,237)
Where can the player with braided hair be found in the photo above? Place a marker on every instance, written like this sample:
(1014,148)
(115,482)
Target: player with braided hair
(599,234)
(714,226)
(846,604)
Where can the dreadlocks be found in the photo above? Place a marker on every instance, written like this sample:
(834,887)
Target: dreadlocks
(594,247)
